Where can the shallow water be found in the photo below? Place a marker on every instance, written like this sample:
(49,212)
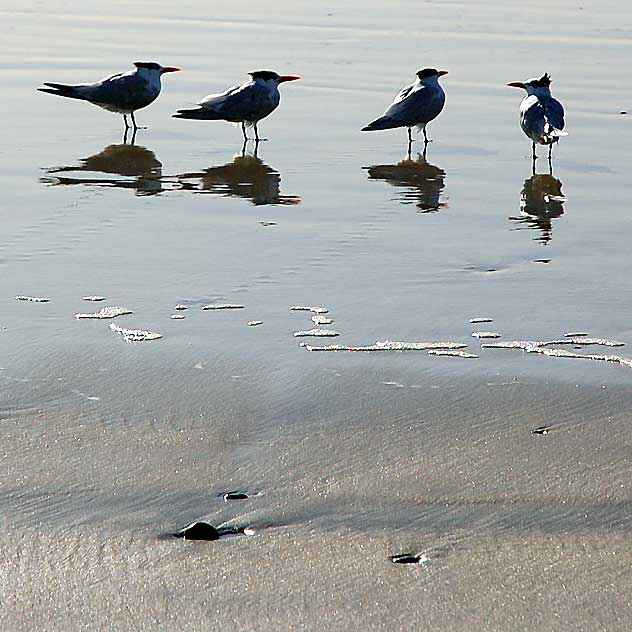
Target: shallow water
(136,437)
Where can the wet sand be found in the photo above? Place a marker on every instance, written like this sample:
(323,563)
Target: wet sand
(110,446)
(518,529)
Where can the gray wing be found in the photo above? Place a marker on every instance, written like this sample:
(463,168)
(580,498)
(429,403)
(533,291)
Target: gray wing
(416,104)
(248,102)
(125,90)
(554,113)
(540,116)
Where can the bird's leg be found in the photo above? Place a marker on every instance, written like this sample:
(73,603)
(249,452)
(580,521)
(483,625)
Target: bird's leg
(426,141)
(425,148)
(533,150)
(243,131)
(126,123)
(134,122)
(243,147)
(550,161)
(410,137)
(133,140)
(410,148)
(257,139)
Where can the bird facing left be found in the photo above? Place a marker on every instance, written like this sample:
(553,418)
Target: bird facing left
(123,93)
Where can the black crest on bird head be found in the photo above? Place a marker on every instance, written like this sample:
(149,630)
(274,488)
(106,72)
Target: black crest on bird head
(150,65)
(427,72)
(266,75)
(543,82)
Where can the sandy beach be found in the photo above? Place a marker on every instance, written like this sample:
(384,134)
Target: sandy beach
(504,475)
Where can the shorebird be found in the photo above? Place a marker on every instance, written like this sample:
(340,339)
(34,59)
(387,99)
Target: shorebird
(247,103)
(541,116)
(415,106)
(123,93)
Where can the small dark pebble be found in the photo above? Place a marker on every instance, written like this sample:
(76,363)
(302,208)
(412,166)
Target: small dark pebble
(542,261)
(405,558)
(541,430)
(235,496)
(198,531)
(623,112)
(268,223)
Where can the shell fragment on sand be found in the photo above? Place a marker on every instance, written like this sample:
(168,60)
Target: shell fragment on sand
(305,308)
(237,495)
(32,299)
(575,334)
(409,558)
(541,430)
(322,320)
(93,299)
(254,323)
(482,319)
(319,333)
(180,307)
(198,531)
(388,345)
(106,312)
(177,317)
(223,306)
(451,352)
(135,335)
(485,334)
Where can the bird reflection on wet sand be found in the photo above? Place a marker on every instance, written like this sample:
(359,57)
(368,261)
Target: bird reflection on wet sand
(541,201)
(138,168)
(422,182)
(247,176)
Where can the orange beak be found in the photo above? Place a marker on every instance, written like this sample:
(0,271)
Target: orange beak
(283,78)
(516,84)
(440,73)
(171,69)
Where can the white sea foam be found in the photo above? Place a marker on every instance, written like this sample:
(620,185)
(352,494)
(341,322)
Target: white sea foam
(135,335)
(106,312)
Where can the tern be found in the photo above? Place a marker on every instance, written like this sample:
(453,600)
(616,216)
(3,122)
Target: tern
(247,103)
(415,106)
(541,116)
(123,93)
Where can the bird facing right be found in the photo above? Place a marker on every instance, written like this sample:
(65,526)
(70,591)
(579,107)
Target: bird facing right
(415,106)
(246,104)
(541,116)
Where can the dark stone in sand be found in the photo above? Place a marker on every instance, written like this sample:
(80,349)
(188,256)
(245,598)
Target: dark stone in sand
(198,531)
(541,430)
(235,496)
(405,558)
